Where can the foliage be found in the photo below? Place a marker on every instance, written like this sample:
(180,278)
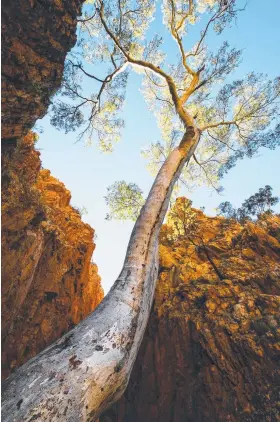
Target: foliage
(181,222)
(97,113)
(80,210)
(234,119)
(181,217)
(125,201)
(255,206)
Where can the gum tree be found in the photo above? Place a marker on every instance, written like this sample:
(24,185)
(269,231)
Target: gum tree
(206,127)
(256,206)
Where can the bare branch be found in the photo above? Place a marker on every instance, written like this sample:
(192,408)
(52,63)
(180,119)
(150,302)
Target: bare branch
(86,73)
(87,19)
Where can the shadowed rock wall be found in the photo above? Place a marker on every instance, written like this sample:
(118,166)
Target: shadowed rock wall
(36,36)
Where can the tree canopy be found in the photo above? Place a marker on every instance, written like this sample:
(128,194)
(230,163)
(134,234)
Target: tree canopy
(234,117)
(125,201)
(256,205)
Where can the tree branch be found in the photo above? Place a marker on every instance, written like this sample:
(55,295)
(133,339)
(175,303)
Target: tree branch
(178,39)
(86,73)
(184,116)
(213,125)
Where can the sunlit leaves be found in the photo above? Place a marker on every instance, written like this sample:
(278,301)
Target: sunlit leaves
(269,139)
(234,125)
(245,110)
(235,120)
(252,102)
(220,64)
(156,153)
(177,14)
(152,52)
(125,201)
(181,221)
(96,114)
(204,5)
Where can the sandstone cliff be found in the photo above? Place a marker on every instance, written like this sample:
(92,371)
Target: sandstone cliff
(212,346)
(48,281)
(36,36)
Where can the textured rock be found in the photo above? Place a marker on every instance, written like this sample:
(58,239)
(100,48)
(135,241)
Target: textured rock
(211,349)
(212,346)
(48,281)
(36,36)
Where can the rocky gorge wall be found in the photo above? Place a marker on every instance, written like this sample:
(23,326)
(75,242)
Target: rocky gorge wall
(211,350)
(49,283)
(48,280)
(36,36)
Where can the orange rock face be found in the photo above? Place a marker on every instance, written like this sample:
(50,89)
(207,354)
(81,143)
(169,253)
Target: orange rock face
(36,36)
(48,280)
(211,350)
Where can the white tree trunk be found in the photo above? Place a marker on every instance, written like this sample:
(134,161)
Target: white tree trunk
(87,370)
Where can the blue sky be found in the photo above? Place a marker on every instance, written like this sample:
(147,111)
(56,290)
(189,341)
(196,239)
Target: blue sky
(86,172)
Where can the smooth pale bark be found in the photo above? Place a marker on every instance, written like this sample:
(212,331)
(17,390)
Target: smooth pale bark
(87,370)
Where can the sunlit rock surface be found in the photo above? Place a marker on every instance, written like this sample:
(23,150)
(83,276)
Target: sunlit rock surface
(49,283)
(211,349)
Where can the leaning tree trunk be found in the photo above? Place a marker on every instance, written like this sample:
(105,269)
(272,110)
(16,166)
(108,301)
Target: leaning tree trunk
(87,370)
